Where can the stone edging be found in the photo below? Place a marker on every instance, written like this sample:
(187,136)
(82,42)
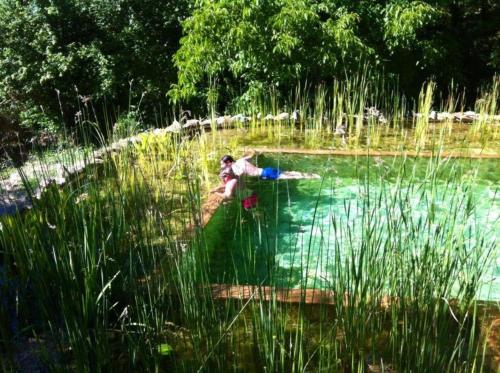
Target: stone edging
(16,199)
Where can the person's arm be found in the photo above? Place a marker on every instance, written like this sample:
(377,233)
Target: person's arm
(229,189)
(249,156)
(221,187)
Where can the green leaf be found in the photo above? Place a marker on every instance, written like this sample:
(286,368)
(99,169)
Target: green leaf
(165,349)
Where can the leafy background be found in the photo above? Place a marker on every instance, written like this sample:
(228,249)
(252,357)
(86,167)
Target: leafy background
(182,52)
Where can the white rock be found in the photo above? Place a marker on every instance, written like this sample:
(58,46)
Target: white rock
(159,131)
(240,118)
(206,122)
(225,120)
(282,116)
(442,116)
(382,119)
(372,111)
(340,130)
(191,123)
(174,127)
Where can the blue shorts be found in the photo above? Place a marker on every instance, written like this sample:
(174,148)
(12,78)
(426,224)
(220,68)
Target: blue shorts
(270,173)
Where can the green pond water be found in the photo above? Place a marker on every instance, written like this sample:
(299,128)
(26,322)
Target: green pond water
(292,238)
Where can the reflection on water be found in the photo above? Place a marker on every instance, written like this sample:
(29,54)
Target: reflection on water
(439,136)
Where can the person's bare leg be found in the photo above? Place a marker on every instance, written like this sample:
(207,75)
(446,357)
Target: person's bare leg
(298,175)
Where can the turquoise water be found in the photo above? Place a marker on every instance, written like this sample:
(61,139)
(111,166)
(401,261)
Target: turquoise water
(305,231)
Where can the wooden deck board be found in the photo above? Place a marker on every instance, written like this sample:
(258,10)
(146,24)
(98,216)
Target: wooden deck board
(375,153)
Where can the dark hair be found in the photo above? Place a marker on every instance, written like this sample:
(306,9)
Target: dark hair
(227,158)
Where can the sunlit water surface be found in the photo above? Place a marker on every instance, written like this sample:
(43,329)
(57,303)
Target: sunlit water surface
(290,239)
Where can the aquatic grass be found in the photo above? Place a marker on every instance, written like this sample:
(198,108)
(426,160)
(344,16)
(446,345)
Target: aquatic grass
(417,302)
(344,102)
(74,243)
(115,272)
(425,101)
(486,106)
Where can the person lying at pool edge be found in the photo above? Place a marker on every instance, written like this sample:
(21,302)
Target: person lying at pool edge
(242,167)
(232,170)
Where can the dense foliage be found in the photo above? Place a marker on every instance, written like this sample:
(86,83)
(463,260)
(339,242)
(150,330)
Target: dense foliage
(97,47)
(50,47)
(243,45)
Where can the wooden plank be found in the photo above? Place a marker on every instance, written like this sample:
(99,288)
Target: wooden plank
(284,295)
(374,153)
(267,293)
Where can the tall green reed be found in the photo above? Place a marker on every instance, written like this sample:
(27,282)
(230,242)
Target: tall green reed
(486,106)
(115,273)
(393,286)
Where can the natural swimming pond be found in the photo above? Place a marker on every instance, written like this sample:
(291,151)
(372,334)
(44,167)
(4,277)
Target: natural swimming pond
(368,217)
(371,227)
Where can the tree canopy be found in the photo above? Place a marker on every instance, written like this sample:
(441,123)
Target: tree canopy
(86,47)
(52,50)
(244,44)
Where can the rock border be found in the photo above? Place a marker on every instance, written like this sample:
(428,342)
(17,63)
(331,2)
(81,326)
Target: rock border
(15,198)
